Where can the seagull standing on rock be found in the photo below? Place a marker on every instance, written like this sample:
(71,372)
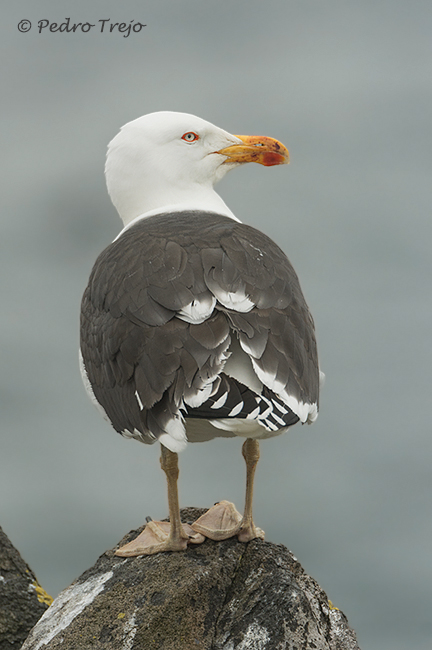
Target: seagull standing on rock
(193,324)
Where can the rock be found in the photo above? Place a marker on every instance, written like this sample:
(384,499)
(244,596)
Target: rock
(215,596)
(22,599)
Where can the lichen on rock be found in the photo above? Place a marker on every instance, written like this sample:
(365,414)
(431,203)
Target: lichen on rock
(22,599)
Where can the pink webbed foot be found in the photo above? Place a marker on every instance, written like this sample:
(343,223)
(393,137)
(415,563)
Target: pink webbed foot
(223,521)
(157,537)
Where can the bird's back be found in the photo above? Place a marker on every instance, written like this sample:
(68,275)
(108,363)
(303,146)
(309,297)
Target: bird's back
(194,317)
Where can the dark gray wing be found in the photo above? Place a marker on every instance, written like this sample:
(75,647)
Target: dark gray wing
(162,304)
(278,332)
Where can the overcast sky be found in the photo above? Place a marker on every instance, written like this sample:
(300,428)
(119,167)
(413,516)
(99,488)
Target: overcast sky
(347,87)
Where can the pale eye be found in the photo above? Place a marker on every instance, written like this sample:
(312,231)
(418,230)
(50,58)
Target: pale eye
(190,137)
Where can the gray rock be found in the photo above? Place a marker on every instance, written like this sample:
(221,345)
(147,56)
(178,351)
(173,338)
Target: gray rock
(22,599)
(215,596)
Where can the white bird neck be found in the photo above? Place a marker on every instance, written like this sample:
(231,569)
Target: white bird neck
(209,201)
(135,194)
(218,206)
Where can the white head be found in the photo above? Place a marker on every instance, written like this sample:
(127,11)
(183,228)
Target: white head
(172,160)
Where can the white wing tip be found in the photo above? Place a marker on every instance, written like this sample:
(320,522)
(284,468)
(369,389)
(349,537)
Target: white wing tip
(313,414)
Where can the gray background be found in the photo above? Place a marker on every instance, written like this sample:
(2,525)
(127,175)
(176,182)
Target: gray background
(347,87)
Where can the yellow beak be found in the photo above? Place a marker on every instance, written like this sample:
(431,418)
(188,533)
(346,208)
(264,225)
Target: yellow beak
(256,148)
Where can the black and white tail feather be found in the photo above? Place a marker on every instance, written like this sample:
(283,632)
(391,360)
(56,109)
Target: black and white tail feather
(237,401)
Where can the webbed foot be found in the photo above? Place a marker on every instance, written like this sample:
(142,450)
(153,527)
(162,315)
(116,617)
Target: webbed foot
(156,538)
(223,521)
